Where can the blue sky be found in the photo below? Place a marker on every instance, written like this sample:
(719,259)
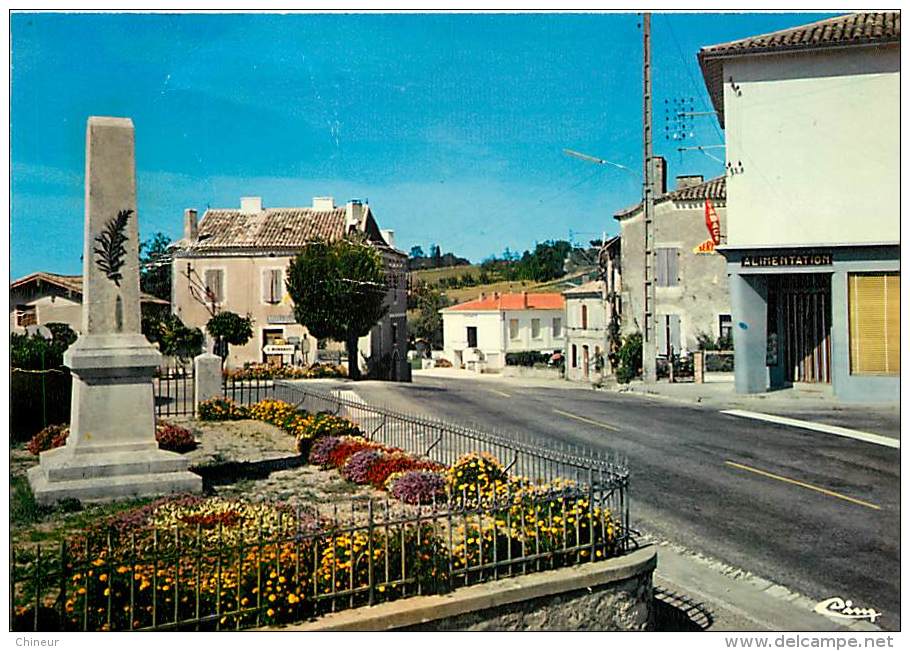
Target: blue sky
(452,126)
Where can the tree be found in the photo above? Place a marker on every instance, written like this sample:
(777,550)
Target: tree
(229,329)
(417,251)
(339,291)
(428,322)
(155,267)
(175,338)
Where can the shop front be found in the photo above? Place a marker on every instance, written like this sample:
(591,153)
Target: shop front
(817,317)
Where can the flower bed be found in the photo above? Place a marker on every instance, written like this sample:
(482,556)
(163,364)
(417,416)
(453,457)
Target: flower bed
(221,409)
(285,372)
(170,437)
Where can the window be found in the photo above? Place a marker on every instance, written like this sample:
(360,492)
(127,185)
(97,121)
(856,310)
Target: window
(584,317)
(574,356)
(513,328)
(472,336)
(557,327)
(394,335)
(667,267)
(535,328)
(725,327)
(272,286)
(874,309)
(26,315)
(214,285)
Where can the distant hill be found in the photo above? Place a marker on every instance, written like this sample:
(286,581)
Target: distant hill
(446,260)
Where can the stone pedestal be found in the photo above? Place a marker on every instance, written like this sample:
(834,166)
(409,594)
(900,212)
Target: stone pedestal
(111,451)
(207,379)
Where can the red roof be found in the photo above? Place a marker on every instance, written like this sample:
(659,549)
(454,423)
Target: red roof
(524,301)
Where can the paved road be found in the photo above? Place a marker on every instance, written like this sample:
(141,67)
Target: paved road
(737,490)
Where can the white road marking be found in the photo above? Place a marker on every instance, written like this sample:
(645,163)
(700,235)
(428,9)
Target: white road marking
(867,437)
(504,395)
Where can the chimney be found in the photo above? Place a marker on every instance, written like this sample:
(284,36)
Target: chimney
(250,205)
(689,180)
(482,296)
(389,236)
(323,204)
(354,215)
(659,175)
(524,300)
(190,225)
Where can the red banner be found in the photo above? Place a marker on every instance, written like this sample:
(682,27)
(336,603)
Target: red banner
(712,221)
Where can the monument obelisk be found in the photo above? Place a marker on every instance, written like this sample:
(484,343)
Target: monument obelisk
(111,450)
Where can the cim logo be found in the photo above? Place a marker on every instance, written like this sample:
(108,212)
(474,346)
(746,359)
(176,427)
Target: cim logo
(844,609)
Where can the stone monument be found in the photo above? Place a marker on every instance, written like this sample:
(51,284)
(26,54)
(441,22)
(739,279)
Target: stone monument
(111,450)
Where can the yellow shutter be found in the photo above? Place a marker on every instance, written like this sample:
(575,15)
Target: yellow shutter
(874,305)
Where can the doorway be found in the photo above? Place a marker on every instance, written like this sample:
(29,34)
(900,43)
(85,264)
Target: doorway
(472,336)
(272,337)
(799,311)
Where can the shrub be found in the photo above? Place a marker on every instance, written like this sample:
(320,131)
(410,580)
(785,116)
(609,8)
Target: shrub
(169,436)
(527,358)
(274,372)
(474,473)
(52,436)
(221,409)
(417,486)
(348,446)
(326,424)
(389,464)
(629,358)
(174,438)
(274,412)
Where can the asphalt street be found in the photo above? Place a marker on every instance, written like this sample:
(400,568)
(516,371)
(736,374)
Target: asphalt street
(817,513)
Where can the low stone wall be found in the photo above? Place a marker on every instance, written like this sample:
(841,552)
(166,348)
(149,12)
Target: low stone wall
(611,595)
(531,372)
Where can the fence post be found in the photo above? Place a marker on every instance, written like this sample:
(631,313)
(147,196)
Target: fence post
(206,379)
(698,363)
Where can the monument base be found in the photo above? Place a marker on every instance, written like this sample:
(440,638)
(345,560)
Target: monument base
(103,477)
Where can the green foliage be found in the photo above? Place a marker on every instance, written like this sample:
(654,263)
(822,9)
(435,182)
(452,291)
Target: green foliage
(707,342)
(229,328)
(63,334)
(428,322)
(545,263)
(629,358)
(527,358)
(177,340)
(417,252)
(338,289)
(34,352)
(154,267)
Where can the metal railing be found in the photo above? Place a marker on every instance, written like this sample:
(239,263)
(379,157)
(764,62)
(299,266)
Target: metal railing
(222,570)
(174,391)
(246,392)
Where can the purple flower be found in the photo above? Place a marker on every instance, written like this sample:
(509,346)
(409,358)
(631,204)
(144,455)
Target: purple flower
(419,487)
(322,447)
(358,466)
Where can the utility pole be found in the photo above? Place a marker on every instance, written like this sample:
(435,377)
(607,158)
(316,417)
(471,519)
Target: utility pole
(649,346)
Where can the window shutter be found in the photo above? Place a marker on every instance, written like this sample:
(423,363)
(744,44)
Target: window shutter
(874,307)
(661,267)
(661,327)
(277,285)
(213,281)
(674,332)
(672,267)
(267,286)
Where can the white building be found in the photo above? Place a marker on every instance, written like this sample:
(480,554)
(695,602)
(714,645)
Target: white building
(479,333)
(587,318)
(812,122)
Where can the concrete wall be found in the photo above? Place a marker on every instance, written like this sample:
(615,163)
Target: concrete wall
(703,291)
(611,595)
(818,138)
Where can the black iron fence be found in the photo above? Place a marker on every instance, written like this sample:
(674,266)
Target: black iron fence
(247,392)
(174,391)
(209,565)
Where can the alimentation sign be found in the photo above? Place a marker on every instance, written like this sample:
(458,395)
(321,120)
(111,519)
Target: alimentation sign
(788,260)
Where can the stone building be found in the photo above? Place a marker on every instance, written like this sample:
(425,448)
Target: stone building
(237,258)
(812,122)
(691,292)
(478,334)
(587,317)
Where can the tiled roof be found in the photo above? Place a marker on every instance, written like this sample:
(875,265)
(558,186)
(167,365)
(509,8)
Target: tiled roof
(841,31)
(499,302)
(592,287)
(70,283)
(271,228)
(714,189)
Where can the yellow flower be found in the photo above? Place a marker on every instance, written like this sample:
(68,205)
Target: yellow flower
(102,578)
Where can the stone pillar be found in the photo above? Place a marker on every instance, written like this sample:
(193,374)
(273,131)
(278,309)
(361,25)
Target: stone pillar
(111,451)
(207,381)
(748,298)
